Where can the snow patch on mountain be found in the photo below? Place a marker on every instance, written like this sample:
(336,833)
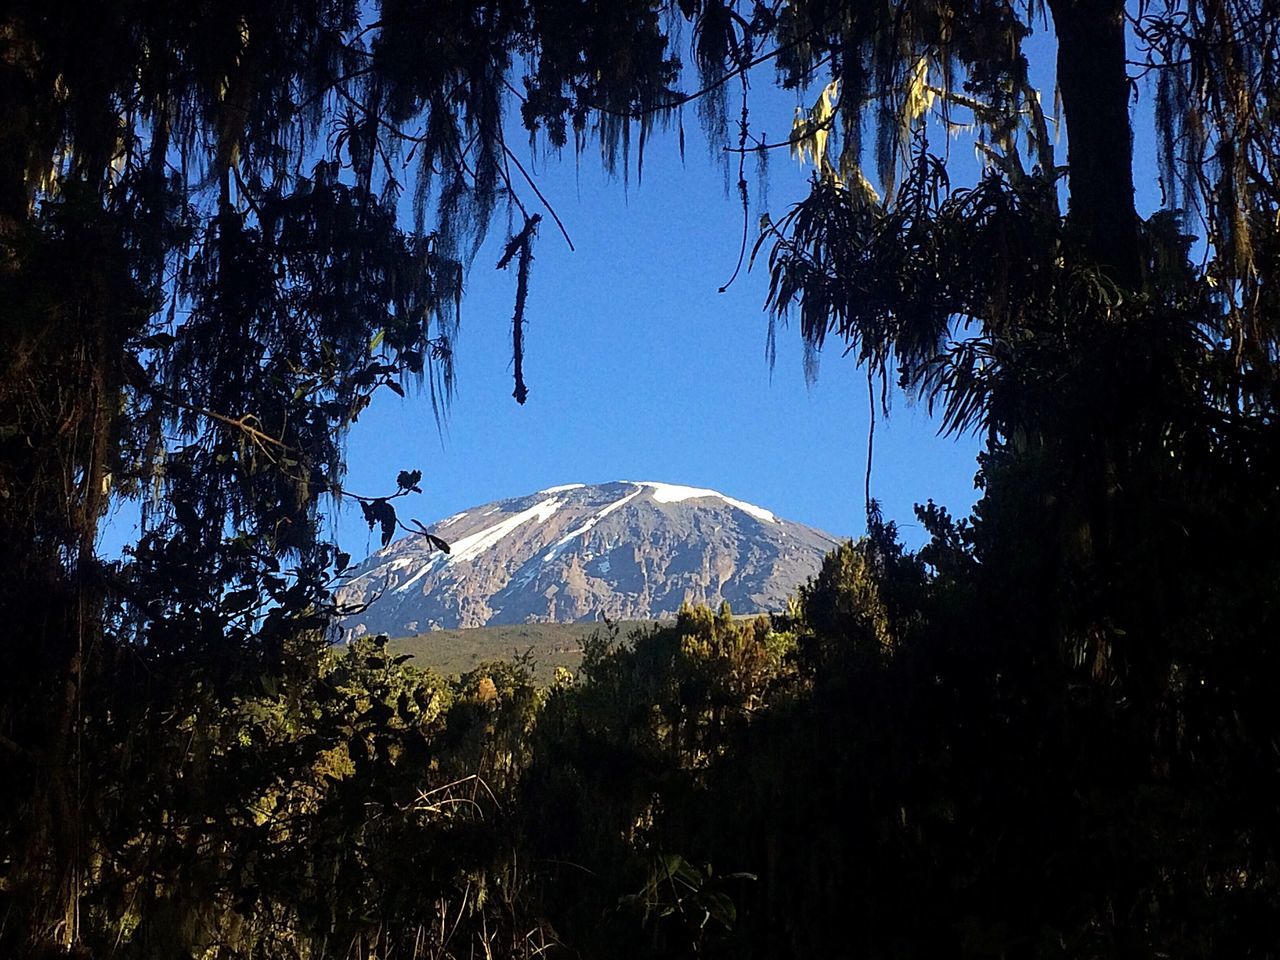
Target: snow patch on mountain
(560,544)
(674,493)
(468,548)
(427,567)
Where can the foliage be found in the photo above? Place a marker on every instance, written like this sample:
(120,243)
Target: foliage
(620,758)
(294,815)
(902,760)
(206,278)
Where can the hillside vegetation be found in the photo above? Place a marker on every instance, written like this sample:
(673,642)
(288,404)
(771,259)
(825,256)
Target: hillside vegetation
(545,645)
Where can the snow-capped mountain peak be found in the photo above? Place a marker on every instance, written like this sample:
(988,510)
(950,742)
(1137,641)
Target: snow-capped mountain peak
(626,549)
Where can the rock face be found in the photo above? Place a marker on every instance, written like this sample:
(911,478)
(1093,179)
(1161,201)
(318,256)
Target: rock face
(627,550)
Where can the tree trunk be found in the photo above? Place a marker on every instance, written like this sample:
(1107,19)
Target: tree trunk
(1095,98)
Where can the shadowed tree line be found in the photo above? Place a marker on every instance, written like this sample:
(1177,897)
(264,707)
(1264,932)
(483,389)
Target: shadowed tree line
(225,226)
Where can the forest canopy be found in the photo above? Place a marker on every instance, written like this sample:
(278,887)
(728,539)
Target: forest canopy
(225,226)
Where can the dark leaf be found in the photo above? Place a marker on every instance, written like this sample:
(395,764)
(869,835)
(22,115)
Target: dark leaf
(383,514)
(238,600)
(158,341)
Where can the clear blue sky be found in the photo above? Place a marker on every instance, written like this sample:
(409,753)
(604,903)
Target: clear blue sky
(639,369)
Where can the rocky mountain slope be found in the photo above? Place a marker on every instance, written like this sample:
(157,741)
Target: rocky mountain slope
(626,550)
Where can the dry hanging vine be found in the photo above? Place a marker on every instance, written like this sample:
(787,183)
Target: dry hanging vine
(521,243)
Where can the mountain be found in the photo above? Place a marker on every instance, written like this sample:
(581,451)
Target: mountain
(626,550)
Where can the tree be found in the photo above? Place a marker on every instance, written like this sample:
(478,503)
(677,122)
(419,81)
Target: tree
(205,279)
(1106,368)
(619,767)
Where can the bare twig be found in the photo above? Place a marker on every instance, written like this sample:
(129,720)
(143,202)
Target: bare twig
(534,186)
